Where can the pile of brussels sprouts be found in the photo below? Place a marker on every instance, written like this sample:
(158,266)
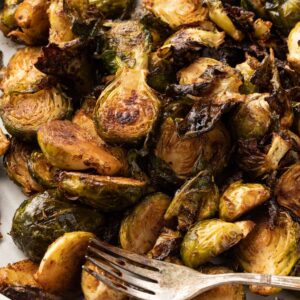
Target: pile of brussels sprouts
(169,128)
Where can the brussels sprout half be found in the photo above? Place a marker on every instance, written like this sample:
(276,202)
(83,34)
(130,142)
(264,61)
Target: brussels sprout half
(15,163)
(103,192)
(141,228)
(4,143)
(41,170)
(197,199)
(240,197)
(270,249)
(32,21)
(58,270)
(287,189)
(67,146)
(20,74)
(7,16)
(223,292)
(186,156)
(209,238)
(43,218)
(176,13)
(127,109)
(24,113)
(253,118)
(294,47)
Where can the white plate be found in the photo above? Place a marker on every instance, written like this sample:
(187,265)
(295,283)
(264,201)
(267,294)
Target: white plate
(11,197)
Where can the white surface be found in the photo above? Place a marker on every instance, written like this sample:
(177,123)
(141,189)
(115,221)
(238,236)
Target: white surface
(11,197)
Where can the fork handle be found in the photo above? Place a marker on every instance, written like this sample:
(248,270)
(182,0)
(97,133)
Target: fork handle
(285,282)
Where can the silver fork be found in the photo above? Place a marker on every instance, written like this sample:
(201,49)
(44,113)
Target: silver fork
(149,279)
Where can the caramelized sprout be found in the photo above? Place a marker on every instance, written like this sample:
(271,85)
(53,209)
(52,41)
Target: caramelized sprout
(209,238)
(240,197)
(141,228)
(294,47)
(4,143)
(270,249)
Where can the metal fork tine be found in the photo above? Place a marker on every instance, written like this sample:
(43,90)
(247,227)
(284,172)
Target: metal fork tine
(122,264)
(147,262)
(124,276)
(120,287)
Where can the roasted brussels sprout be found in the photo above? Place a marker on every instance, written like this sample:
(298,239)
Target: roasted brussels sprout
(67,146)
(4,143)
(7,16)
(294,47)
(223,292)
(125,41)
(176,13)
(103,192)
(247,69)
(190,38)
(127,109)
(15,163)
(20,74)
(43,218)
(186,156)
(197,199)
(93,289)
(259,160)
(240,197)
(41,170)
(59,267)
(148,218)
(32,22)
(166,244)
(209,238)
(24,113)
(60,25)
(253,118)
(270,249)
(287,189)
(219,16)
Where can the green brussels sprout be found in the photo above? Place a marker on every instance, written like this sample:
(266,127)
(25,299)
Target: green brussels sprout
(209,238)
(7,16)
(32,22)
(259,160)
(271,248)
(294,48)
(223,292)
(253,118)
(41,170)
(166,244)
(4,143)
(240,197)
(197,199)
(43,218)
(67,146)
(262,29)
(103,192)
(127,109)
(189,38)
(24,113)
(60,24)
(125,41)
(287,190)
(141,228)
(219,16)
(15,163)
(176,13)
(20,74)
(186,156)
(247,69)
(207,78)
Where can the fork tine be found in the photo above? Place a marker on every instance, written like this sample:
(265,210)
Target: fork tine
(124,276)
(122,264)
(120,287)
(146,262)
